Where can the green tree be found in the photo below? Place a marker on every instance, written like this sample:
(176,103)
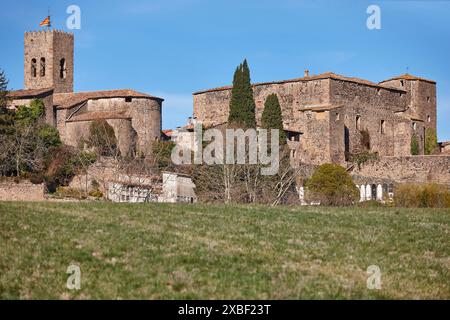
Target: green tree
(3,91)
(49,136)
(414,145)
(242,104)
(331,184)
(431,142)
(272,117)
(27,115)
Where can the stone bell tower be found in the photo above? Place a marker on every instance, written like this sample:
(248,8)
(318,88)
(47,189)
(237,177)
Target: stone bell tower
(48,60)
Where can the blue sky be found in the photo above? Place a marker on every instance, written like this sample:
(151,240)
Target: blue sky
(172,48)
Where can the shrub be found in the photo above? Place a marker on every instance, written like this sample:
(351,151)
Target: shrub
(49,136)
(363,157)
(331,184)
(37,178)
(422,196)
(414,145)
(63,163)
(431,143)
(30,114)
(96,194)
(67,192)
(365,139)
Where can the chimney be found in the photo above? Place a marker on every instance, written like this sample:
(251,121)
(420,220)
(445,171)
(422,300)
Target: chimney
(306,73)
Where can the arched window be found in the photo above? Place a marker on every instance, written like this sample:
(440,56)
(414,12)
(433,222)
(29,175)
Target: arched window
(42,72)
(33,68)
(62,68)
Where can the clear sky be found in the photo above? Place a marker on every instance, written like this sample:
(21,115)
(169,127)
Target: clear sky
(172,48)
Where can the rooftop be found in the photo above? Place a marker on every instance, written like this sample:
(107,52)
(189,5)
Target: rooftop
(326,75)
(29,93)
(408,76)
(68,100)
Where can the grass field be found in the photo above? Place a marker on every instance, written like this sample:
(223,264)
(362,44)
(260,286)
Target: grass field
(162,251)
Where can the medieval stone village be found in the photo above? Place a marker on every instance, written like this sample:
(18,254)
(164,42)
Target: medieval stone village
(323,118)
(220,150)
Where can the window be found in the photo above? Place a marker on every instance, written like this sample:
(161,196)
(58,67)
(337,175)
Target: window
(402,83)
(428,99)
(358,122)
(42,71)
(337,116)
(414,125)
(429,119)
(128,99)
(382,126)
(33,68)
(62,68)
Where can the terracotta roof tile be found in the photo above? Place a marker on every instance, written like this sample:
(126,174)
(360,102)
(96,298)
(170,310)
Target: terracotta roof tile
(89,116)
(326,75)
(68,100)
(29,93)
(408,76)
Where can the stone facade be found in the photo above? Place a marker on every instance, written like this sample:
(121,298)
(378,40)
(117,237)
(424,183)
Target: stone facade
(48,75)
(22,191)
(330,110)
(48,60)
(410,169)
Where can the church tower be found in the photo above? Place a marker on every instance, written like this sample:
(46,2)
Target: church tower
(48,60)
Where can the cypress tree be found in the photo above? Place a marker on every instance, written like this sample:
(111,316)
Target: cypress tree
(242,105)
(236,97)
(3,91)
(271,116)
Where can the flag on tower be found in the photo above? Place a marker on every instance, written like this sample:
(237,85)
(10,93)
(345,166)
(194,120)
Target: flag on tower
(45,22)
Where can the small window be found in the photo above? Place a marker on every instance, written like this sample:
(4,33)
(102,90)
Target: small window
(33,68)
(62,68)
(337,116)
(382,126)
(128,99)
(414,125)
(42,71)
(358,122)
(429,119)
(378,91)
(428,99)
(402,83)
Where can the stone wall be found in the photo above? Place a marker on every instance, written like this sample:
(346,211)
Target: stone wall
(22,191)
(123,130)
(212,107)
(411,169)
(375,108)
(144,129)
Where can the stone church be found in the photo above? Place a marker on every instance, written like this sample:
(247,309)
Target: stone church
(49,75)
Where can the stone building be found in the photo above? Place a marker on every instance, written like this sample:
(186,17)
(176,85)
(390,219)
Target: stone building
(48,75)
(324,116)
